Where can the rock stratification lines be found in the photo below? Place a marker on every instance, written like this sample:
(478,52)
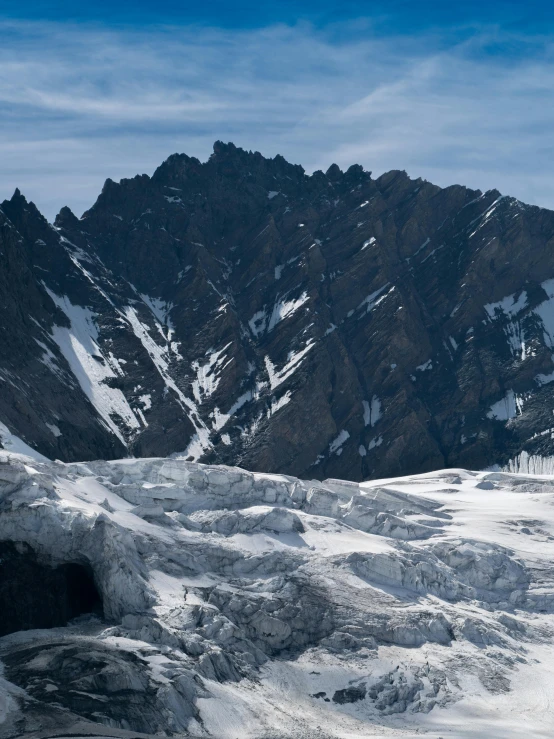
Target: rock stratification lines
(239,311)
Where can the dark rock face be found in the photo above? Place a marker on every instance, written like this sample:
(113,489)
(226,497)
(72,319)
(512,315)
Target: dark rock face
(99,683)
(35,596)
(350,695)
(241,312)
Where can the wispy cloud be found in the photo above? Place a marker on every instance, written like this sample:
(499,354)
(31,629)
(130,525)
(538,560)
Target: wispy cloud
(81,103)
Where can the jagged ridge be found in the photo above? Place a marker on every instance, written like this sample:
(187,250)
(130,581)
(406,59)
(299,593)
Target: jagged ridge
(242,311)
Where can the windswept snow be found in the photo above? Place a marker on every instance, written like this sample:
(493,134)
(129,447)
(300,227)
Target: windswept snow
(425,366)
(485,217)
(368,243)
(372,411)
(258,323)
(543,379)
(548,287)
(280,267)
(420,248)
(336,445)
(146,401)
(374,443)
(545,311)
(508,306)
(13,444)
(54,430)
(50,361)
(515,335)
(220,419)
(284,308)
(507,407)
(208,375)
(261,322)
(79,346)
(159,356)
(276,405)
(294,359)
(374,298)
(160,309)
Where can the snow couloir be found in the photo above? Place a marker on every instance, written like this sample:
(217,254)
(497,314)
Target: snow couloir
(238,604)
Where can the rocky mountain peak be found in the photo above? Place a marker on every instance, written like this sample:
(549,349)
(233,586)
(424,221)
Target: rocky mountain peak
(239,310)
(334,172)
(17,204)
(66,219)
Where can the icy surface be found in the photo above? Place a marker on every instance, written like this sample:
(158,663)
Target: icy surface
(239,604)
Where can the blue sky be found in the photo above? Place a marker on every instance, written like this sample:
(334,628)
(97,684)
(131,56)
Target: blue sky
(391,15)
(451,92)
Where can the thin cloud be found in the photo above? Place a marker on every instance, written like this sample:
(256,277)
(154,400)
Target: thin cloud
(80,103)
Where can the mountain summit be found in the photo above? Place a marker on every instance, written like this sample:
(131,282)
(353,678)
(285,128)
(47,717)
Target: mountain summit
(241,311)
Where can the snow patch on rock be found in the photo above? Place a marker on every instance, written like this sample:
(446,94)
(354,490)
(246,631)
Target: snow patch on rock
(507,407)
(79,345)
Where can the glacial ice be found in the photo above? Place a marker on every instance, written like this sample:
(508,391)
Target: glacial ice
(237,602)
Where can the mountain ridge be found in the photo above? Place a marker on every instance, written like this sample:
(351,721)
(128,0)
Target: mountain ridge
(240,311)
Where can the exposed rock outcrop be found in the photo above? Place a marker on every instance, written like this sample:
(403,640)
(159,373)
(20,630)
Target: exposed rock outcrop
(241,311)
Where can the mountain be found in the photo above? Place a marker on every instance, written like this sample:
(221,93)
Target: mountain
(240,311)
(148,598)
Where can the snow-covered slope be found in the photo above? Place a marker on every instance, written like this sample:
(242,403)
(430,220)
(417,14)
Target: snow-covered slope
(238,604)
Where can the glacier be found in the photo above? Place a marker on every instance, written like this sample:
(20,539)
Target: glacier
(248,605)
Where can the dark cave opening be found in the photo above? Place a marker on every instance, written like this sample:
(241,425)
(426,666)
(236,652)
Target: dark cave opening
(36,596)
